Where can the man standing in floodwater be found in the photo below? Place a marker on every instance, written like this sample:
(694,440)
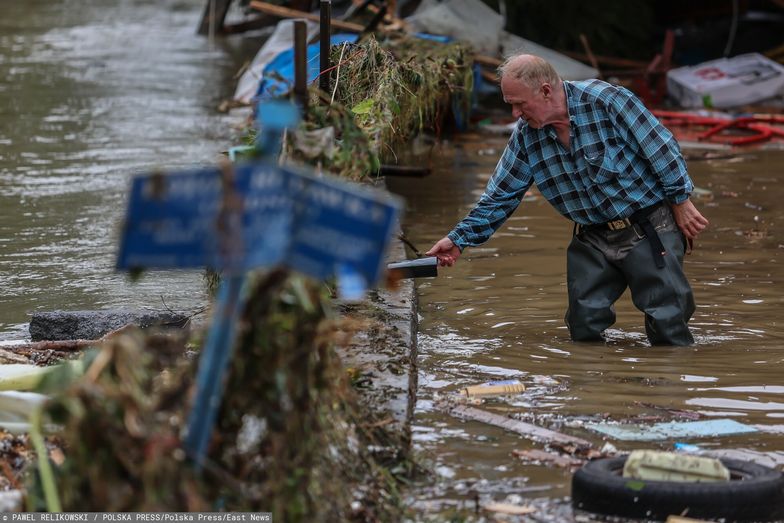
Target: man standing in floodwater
(606,163)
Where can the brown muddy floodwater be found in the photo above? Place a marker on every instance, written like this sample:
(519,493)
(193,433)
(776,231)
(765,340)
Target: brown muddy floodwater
(92,92)
(498,314)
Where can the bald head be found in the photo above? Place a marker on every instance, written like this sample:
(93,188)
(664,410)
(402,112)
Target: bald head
(529,69)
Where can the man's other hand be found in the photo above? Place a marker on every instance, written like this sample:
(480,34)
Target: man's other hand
(446,252)
(689,219)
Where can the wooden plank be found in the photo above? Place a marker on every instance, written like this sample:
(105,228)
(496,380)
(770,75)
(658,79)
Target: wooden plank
(527,430)
(285,12)
(6,356)
(509,508)
(589,53)
(607,60)
(60,345)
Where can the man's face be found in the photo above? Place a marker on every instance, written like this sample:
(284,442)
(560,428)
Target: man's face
(526,103)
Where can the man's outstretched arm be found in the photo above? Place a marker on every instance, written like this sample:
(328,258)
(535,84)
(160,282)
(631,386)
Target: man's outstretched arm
(511,179)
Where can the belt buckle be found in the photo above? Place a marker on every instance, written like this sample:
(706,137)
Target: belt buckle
(617,225)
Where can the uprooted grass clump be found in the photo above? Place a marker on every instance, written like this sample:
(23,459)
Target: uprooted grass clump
(385,93)
(300,432)
(290,438)
(120,431)
(330,139)
(398,88)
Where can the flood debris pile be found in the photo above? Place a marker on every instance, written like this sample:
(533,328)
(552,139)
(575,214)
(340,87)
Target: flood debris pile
(15,457)
(291,437)
(300,433)
(330,139)
(384,94)
(400,87)
(120,426)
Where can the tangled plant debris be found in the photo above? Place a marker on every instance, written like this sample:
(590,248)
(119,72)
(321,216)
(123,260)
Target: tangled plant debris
(120,430)
(291,437)
(385,93)
(402,86)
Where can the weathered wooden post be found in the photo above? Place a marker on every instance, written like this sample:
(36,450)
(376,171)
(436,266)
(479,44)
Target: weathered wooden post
(301,64)
(325,35)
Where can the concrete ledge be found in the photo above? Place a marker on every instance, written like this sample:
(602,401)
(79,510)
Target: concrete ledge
(385,355)
(91,325)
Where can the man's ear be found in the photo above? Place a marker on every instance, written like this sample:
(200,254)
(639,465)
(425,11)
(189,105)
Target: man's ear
(547,90)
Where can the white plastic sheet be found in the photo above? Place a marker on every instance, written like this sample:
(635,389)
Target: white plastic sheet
(466,20)
(474,22)
(280,40)
(567,68)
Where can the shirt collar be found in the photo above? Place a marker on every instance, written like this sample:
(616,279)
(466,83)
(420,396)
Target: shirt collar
(568,92)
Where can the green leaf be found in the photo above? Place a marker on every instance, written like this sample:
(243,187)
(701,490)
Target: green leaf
(394,106)
(375,164)
(303,295)
(363,107)
(635,485)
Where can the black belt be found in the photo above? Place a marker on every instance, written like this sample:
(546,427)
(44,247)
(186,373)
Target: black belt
(640,218)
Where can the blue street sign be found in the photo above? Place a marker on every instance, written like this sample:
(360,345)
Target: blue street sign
(263,216)
(233,219)
(257,215)
(339,227)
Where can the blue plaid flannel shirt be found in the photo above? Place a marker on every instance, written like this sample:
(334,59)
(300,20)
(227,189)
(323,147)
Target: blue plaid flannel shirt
(622,159)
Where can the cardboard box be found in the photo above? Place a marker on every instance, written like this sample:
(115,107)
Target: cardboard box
(727,82)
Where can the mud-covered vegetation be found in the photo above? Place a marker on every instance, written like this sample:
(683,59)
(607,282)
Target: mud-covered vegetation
(384,93)
(291,438)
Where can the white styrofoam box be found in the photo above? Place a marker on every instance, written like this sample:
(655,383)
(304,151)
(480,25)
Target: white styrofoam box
(727,82)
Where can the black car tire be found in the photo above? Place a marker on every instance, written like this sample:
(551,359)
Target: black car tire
(754,493)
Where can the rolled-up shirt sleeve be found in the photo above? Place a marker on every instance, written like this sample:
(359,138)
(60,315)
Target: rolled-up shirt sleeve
(639,128)
(506,188)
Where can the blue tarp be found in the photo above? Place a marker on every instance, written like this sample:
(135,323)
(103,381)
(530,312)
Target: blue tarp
(278,76)
(672,430)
